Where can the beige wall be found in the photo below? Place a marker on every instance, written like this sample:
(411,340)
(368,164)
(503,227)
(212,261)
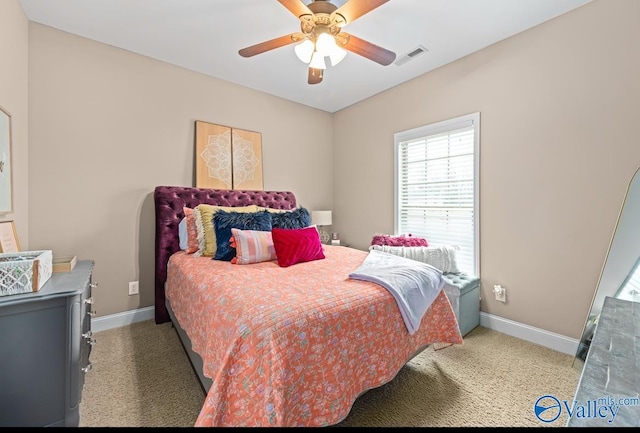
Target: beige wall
(14,48)
(558,106)
(107,126)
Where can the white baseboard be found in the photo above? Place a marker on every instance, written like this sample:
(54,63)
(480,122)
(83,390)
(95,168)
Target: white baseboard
(539,336)
(122,319)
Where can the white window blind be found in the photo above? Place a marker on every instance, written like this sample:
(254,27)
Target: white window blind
(436,186)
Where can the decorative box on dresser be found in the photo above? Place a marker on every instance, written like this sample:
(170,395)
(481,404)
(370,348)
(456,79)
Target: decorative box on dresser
(45,343)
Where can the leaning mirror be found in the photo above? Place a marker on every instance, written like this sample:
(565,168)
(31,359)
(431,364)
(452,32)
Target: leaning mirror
(620,276)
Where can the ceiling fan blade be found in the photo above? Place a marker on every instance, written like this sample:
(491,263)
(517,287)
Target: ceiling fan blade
(315,76)
(354,9)
(268,45)
(296,7)
(368,50)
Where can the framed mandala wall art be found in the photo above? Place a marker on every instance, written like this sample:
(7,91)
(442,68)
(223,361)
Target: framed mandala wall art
(227,158)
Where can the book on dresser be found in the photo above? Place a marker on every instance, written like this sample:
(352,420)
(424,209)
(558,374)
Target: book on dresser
(64,264)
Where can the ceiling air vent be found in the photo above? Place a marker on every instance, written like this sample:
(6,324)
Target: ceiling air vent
(411,55)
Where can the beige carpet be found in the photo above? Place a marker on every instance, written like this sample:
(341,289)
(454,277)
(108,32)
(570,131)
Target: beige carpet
(142,378)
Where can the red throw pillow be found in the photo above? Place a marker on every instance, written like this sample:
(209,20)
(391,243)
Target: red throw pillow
(297,245)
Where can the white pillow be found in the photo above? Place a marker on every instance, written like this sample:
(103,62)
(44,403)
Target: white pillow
(443,257)
(182,234)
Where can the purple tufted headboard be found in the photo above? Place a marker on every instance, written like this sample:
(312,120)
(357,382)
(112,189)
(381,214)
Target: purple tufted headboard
(169,201)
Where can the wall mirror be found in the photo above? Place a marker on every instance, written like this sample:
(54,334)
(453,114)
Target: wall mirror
(620,276)
(6,189)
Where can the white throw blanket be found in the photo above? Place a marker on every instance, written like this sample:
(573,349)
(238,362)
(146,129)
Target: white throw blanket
(414,285)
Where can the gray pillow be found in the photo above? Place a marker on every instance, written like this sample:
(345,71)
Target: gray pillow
(443,257)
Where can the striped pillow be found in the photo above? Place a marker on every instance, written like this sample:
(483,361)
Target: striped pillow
(252,246)
(192,231)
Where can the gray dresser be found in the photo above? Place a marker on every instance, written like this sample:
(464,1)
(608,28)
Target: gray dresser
(45,343)
(609,387)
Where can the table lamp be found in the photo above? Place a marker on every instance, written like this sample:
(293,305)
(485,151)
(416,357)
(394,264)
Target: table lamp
(322,218)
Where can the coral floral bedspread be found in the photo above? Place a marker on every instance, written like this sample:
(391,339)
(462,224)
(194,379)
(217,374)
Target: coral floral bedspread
(294,346)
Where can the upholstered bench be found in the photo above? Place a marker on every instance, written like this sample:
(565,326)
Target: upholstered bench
(463,292)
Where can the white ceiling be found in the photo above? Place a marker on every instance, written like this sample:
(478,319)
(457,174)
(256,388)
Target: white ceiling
(205,36)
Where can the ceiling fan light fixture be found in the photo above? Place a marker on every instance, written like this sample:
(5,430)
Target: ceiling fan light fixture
(304,51)
(317,61)
(336,55)
(325,44)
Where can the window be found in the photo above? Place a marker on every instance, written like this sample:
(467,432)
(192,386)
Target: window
(436,186)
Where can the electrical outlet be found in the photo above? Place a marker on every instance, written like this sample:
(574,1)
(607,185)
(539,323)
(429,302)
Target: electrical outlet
(500,292)
(133,288)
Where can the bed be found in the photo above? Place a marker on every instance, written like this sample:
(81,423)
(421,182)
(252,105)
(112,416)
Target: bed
(281,346)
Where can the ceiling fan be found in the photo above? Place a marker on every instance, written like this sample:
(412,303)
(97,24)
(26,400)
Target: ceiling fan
(321,23)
